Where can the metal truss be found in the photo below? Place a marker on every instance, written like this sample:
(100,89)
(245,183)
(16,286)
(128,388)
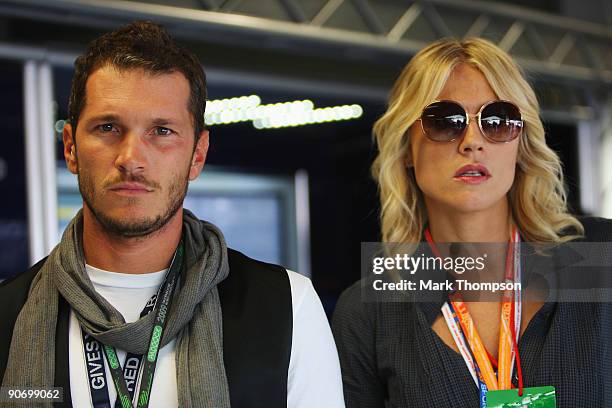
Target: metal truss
(546,44)
(568,60)
(543,42)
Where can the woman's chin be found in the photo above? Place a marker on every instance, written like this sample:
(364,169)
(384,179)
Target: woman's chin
(473,204)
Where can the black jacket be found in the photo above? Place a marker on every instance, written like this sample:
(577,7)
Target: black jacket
(257,329)
(390,356)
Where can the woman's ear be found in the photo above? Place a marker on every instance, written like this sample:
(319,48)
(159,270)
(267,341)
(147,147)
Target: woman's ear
(408,160)
(408,155)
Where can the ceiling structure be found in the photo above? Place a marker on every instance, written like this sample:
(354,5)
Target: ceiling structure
(364,42)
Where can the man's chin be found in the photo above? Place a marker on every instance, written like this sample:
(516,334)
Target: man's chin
(134,228)
(132,225)
(134,220)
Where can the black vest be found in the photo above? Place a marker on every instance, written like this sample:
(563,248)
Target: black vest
(257,329)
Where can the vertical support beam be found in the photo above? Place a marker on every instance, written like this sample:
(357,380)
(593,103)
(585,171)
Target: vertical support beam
(47,159)
(588,166)
(36,239)
(302,216)
(40,159)
(606,164)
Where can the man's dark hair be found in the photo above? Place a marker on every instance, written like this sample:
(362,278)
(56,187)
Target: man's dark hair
(140,45)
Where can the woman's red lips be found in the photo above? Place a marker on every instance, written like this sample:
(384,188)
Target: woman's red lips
(473,169)
(473,174)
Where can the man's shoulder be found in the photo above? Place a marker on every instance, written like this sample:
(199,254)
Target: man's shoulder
(16,288)
(245,271)
(239,261)
(13,295)
(260,284)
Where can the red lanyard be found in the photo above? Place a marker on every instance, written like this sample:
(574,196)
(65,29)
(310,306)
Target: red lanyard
(482,368)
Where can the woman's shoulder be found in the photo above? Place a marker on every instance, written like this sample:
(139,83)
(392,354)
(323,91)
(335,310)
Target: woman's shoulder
(357,306)
(350,303)
(596,229)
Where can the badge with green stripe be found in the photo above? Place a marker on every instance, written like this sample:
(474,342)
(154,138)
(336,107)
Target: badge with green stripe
(535,397)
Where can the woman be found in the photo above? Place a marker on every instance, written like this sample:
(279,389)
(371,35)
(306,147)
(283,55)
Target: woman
(463,158)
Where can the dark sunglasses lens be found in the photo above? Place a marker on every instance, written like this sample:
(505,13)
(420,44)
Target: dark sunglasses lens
(443,121)
(501,121)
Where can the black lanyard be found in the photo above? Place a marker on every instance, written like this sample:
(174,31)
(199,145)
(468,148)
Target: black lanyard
(94,359)
(96,375)
(93,351)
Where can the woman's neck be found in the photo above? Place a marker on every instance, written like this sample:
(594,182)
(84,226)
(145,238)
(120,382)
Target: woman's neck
(490,225)
(488,229)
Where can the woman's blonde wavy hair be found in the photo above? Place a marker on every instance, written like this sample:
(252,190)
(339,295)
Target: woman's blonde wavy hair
(537,197)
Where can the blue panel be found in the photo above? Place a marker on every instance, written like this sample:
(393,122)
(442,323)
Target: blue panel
(251,224)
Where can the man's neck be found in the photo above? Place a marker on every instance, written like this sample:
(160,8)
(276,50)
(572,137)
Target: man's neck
(137,255)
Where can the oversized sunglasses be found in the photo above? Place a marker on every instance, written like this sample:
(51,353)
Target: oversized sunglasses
(446,121)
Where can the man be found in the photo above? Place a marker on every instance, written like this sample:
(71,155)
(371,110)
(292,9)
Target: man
(141,303)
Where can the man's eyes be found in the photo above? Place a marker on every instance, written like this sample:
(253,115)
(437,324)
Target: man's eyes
(157,131)
(163,131)
(105,127)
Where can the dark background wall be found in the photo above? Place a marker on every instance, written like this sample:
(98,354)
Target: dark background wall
(13,213)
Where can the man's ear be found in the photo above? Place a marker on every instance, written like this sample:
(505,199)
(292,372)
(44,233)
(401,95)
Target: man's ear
(199,155)
(70,149)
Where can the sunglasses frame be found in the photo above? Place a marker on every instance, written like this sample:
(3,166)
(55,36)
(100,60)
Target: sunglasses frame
(477,116)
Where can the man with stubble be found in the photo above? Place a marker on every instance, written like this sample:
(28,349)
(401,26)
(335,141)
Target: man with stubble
(141,303)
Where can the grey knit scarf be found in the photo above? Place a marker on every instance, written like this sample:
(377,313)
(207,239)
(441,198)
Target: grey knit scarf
(194,317)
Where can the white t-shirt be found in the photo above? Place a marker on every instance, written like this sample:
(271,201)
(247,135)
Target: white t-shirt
(314,378)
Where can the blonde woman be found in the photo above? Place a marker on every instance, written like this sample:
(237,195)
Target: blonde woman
(463,158)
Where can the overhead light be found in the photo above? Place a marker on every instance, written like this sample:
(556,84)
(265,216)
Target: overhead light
(275,115)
